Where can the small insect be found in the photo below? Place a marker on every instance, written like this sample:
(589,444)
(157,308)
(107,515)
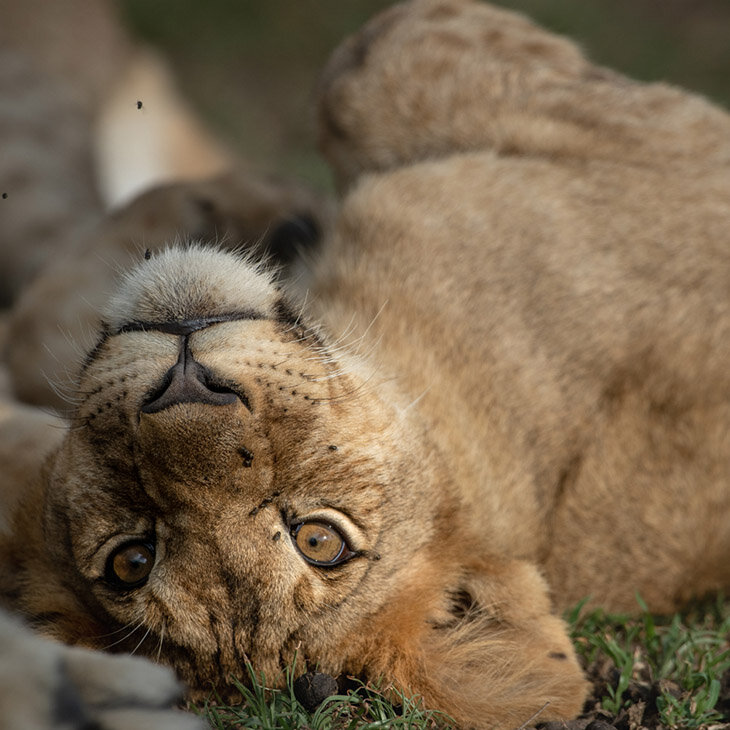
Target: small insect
(147,254)
(5,196)
(139,104)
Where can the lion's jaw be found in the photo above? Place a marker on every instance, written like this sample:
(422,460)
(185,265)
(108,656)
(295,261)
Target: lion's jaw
(217,485)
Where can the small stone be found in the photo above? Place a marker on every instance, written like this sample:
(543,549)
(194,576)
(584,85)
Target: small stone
(313,688)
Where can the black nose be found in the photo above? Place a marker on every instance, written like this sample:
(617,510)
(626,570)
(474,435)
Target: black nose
(187,381)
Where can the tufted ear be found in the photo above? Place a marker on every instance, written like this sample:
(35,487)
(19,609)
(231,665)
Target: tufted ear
(488,651)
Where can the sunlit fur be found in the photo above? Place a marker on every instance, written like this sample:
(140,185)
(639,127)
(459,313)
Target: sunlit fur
(421,604)
(54,320)
(504,381)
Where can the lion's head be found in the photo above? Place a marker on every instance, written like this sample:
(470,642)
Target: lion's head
(234,487)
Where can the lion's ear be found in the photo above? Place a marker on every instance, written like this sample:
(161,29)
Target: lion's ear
(495,656)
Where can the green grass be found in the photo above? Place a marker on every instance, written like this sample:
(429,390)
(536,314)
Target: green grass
(646,671)
(364,708)
(675,667)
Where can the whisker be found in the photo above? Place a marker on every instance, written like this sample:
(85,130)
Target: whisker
(374,319)
(415,400)
(141,641)
(64,392)
(162,636)
(345,332)
(368,382)
(288,357)
(299,316)
(325,354)
(124,638)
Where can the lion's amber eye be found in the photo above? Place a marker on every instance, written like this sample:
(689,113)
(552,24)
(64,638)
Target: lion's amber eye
(130,564)
(320,543)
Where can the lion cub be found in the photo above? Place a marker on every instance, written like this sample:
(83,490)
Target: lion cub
(503,387)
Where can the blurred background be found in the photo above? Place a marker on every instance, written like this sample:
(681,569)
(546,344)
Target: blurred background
(250,66)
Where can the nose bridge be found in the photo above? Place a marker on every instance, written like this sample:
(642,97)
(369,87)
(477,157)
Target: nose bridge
(188,381)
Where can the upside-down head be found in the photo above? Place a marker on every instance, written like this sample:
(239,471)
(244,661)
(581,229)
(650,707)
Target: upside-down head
(233,488)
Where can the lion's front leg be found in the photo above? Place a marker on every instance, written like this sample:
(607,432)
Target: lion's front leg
(47,686)
(485,648)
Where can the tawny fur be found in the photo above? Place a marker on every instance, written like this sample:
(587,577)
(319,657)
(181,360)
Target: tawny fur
(504,381)
(75,145)
(590,243)
(52,323)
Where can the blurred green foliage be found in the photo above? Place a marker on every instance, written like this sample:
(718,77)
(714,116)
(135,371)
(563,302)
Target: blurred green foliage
(250,66)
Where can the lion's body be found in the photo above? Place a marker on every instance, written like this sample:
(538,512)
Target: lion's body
(503,386)
(569,357)
(574,275)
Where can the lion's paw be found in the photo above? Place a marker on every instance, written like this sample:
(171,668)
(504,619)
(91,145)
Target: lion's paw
(46,686)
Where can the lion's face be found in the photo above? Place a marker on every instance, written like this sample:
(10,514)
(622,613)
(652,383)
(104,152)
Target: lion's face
(226,491)
(233,488)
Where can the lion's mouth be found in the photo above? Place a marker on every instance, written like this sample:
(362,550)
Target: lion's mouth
(186,326)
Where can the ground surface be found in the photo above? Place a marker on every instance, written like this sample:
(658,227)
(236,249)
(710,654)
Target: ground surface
(652,672)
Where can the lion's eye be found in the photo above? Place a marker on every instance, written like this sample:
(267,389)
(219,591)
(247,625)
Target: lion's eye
(130,564)
(320,543)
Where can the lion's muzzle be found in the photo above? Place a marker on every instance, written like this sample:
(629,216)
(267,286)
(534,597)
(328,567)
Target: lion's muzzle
(187,381)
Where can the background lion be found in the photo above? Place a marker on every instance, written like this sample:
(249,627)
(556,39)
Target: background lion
(509,364)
